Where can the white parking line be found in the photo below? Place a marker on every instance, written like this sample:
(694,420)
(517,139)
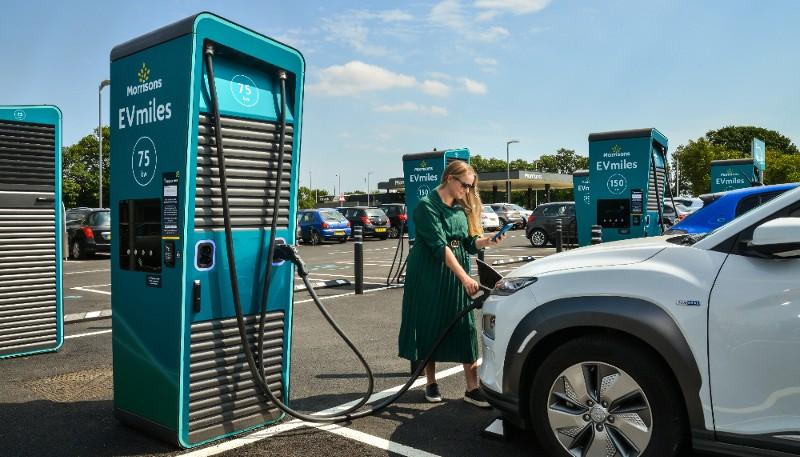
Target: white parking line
(343,276)
(79,335)
(272,431)
(85,271)
(374,441)
(84,289)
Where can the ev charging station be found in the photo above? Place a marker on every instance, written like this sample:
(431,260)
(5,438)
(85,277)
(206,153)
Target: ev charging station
(31,225)
(422,173)
(582,191)
(205,134)
(628,183)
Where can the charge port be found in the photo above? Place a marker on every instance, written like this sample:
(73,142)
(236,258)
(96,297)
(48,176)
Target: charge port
(204,255)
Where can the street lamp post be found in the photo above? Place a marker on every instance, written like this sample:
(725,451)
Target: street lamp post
(508,171)
(368,173)
(103,84)
(341,194)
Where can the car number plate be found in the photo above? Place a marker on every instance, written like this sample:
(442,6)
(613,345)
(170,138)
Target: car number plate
(338,232)
(380,229)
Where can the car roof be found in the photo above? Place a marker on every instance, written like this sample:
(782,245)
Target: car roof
(747,191)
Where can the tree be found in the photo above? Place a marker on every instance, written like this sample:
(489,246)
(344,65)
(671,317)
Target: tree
(694,159)
(306,198)
(80,178)
(740,138)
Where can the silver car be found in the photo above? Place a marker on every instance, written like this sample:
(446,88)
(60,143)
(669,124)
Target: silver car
(507,213)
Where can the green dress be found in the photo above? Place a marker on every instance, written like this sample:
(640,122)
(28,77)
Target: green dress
(433,296)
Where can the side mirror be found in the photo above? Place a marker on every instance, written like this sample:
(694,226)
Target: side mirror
(778,238)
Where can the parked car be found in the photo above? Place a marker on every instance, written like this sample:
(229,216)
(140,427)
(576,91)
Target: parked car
(507,214)
(396,212)
(673,215)
(649,346)
(318,225)
(524,213)
(489,219)
(691,203)
(88,231)
(541,226)
(722,207)
(374,221)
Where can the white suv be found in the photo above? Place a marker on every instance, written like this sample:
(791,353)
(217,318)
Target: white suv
(630,348)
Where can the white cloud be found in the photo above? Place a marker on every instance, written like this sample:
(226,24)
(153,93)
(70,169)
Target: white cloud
(351,28)
(485,61)
(440,75)
(435,88)
(449,14)
(393,16)
(473,86)
(486,16)
(493,34)
(413,107)
(356,77)
(513,6)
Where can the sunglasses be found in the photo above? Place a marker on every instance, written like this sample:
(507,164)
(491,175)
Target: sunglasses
(464,185)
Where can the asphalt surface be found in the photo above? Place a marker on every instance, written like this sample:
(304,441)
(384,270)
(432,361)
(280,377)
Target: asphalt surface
(62,403)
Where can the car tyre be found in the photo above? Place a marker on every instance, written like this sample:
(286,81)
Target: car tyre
(394,232)
(619,397)
(343,239)
(538,238)
(315,239)
(75,251)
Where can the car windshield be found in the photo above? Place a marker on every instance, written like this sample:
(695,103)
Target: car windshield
(375,213)
(517,208)
(332,216)
(487,209)
(101,218)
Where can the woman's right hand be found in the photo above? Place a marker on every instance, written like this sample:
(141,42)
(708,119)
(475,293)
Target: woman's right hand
(471,286)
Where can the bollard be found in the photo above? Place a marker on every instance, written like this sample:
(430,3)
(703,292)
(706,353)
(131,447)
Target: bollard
(359,259)
(559,235)
(597,234)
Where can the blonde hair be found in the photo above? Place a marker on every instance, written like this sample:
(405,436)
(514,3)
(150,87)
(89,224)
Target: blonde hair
(472,201)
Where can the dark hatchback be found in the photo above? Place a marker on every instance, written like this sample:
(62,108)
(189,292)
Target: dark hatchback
(541,227)
(396,212)
(88,231)
(374,221)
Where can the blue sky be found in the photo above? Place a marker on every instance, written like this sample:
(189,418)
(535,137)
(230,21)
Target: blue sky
(389,78)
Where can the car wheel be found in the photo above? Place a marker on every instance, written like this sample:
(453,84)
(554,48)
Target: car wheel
(342,240)
(75,250)
(394,232)
(598,395)
(538,238)
(315,239)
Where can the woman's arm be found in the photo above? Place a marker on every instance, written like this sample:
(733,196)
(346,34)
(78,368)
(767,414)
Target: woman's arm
(486,241)
(452,263)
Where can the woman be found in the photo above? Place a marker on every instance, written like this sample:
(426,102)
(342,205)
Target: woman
(438,284)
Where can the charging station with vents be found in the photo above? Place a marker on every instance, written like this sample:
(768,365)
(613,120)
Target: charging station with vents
(31,225)
(180,370)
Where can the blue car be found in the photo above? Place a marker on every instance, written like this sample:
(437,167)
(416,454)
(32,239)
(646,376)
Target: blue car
(722,207)
(318,225)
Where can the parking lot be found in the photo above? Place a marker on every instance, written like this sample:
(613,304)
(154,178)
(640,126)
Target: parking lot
(61,403)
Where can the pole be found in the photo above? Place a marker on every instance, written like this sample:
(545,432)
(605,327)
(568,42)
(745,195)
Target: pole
(368,173)
(508,171)
(103,84)
(359,259)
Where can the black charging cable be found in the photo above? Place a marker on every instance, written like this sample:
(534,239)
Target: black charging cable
(289,253)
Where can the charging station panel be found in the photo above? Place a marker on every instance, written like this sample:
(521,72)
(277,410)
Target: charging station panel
(628,183)
(422,174)
(582,191)
(179,367)
(733,174)
(31,230)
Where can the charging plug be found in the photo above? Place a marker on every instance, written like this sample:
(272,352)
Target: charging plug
(289,253)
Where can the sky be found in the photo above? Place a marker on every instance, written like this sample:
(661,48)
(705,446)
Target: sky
(387,78)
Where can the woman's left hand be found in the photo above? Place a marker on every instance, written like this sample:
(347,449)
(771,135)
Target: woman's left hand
(490,241)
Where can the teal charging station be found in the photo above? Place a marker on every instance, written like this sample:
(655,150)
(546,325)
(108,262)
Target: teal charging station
(735,174)
(582,191)
(422,172)
(628,183)
(31,226)
(179,361)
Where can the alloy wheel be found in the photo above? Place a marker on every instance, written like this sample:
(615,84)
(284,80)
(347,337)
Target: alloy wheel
(596,409)
(538,238)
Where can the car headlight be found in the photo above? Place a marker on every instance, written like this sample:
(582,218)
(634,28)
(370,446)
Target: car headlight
(488,325)
(508,286)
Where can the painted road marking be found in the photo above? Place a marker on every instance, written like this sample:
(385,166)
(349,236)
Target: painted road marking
(272,431)
(79,335)
(85,271)
(84,289)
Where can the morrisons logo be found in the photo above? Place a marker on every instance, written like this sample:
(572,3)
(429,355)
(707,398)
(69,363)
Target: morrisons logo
(145,84)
